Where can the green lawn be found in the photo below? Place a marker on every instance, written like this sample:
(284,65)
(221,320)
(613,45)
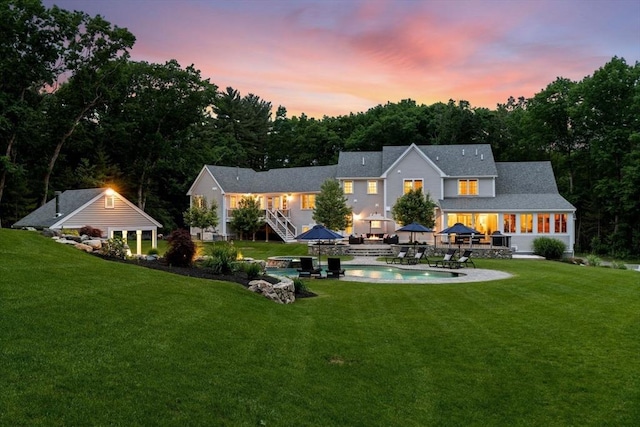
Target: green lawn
(85,341)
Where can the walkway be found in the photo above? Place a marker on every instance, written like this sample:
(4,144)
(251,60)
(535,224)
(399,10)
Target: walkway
(466,274)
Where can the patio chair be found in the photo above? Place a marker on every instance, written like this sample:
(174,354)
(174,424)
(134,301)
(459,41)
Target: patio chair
(464,259)
(446,260)
(398,258)
(333,268)
(415,259)
(307,269)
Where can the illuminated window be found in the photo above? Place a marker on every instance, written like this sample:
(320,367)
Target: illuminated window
(376,224)
(308,201)
(372,187)
(348,187)
(509,224)
(198,201)
(233,202)
(526,223)
(560,221)
(543,223)
(467,187)
(110,201)
(411,184)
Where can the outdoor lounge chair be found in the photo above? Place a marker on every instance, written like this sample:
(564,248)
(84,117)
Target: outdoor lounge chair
(333,268)
(447,259)
(415,259)
(464,259)
(398,258)
(307,269)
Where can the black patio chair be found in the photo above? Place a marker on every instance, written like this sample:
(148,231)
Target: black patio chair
(307,268)
(464,259)
(446,260)
(398,258)
(333,268)
(415,259)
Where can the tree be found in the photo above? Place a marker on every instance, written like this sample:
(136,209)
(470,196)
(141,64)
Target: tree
(331,208)
(414,207)
(248,217)
(200,215)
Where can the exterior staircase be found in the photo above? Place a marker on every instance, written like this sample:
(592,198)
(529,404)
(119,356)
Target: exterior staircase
(281,224)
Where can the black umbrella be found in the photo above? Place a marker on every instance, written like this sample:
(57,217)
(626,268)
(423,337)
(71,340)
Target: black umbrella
(319,232)
(415,227)
(459,228)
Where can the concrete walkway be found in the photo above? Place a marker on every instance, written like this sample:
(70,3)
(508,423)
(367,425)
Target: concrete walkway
(466,274)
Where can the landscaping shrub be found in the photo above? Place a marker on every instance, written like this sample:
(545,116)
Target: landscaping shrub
(181,249)
(299,286)
(90,231)
(593,260)
(115,248)
(252,269)
(153,251)
(548,247)
(620,265)
(221,259)
(69,232)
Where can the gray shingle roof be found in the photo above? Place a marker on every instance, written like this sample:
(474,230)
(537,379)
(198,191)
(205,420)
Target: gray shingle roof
(360,164)
(282,180)
(70,200)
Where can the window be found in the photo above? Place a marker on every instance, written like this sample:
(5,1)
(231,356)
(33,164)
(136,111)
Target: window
(233,202)
(509,224)
(372,187)
(560,221)
(308,201)
(526,223)
(411,184)
(467,187)
(376,224)
(110,201)
(543,223)
(198,201)
(348,187)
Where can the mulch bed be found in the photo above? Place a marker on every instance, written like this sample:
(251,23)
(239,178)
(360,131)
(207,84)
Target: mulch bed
(202,273)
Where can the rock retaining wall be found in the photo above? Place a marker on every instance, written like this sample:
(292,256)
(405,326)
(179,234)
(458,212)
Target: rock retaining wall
(282,293)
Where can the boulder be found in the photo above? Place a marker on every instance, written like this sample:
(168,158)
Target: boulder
(94,243)
(84,247)
(282,293)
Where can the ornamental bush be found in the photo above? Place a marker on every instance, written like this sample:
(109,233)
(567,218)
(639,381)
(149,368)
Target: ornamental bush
(115,248)
(221,259)
(90,231)
(548,247)
(181,250)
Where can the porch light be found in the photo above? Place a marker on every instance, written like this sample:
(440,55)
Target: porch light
(109,192)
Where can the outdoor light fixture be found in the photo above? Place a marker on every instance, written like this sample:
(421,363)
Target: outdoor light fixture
(109,192)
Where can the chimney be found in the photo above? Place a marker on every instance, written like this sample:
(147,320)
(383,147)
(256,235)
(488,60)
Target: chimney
(57,194)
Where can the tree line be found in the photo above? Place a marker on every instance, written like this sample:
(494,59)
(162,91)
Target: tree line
(77,112)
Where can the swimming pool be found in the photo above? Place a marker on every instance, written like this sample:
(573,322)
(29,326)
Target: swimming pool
(380,273)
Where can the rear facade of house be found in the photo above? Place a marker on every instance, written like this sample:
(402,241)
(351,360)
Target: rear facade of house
(517,201)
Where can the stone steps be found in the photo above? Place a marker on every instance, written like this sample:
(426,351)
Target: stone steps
(370,250)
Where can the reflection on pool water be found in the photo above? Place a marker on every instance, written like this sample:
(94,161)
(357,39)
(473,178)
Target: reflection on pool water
(378,272)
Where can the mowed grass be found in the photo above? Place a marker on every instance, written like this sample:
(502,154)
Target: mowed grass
(85,341)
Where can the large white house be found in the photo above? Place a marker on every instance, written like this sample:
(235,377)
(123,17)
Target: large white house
(520,200)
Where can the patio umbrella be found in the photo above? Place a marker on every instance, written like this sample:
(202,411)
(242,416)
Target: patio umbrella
(319,232)
(415,227)
(374,217)
(459,229)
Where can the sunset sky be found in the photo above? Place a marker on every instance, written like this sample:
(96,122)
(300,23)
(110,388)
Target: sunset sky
(333,57)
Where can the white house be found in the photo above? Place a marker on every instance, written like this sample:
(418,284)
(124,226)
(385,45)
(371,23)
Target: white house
(520,200)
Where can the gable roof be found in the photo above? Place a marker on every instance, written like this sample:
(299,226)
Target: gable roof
(520,186)
(71,202)
(281,180)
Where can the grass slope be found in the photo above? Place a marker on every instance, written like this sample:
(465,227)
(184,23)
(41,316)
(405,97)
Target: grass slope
(89,342)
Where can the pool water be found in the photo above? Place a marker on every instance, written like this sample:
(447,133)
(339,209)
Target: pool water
(378,273)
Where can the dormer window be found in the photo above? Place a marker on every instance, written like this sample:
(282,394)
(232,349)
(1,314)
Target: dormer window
(467,187)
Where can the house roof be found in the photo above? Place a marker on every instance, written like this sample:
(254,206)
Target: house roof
(520,186)
(282,180)
(69,201)
(453,160)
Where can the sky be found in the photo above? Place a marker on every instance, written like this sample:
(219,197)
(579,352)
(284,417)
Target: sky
(335,57)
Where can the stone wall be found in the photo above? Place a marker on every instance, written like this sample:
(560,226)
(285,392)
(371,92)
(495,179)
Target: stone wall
(476,252)
(282,293)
